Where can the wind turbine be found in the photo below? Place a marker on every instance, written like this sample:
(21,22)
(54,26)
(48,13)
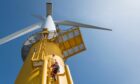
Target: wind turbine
(51,47)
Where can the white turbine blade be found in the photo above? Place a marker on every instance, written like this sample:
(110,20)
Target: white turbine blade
(20,33)
(39,17)
(76,24)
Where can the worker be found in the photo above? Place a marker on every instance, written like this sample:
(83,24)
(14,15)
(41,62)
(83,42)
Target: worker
(55,70)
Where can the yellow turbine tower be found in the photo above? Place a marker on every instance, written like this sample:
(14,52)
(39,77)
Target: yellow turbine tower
(44,53)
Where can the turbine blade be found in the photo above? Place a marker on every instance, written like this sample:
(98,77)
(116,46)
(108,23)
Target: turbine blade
(39,17)
(20,33)
(77,24)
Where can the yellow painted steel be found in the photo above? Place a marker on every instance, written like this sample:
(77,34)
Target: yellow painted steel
(71,42)
(37,66)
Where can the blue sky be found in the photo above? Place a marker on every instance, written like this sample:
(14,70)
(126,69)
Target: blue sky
(111,57)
